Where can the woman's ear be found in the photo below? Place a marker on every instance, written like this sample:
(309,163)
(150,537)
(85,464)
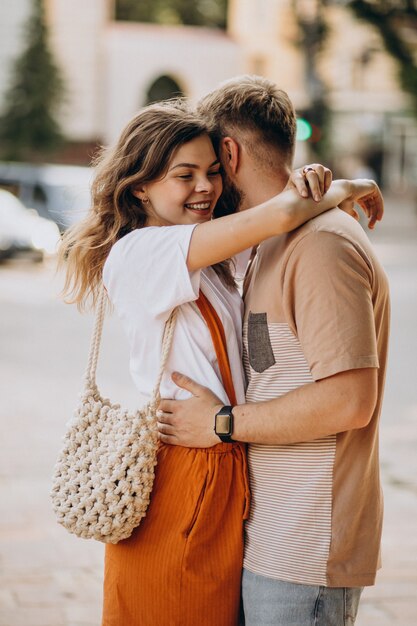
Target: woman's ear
(140,193)
(230,153)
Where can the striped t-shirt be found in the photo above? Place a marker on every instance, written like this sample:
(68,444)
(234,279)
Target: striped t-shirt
(316,304)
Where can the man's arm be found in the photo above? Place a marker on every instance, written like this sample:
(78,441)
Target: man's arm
(328,304)
(335,404)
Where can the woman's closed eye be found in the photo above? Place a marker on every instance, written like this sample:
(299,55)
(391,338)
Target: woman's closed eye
(211,173)
(214,172)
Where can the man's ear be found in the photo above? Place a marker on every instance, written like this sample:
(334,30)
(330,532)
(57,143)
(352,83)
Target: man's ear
(230,154)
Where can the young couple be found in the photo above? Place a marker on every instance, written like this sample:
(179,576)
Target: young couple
(303,388)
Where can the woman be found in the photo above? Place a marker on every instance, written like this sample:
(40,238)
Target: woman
(151,239)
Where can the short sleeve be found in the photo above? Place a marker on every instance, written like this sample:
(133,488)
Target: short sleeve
(240,263)
(327,295)
(149,266)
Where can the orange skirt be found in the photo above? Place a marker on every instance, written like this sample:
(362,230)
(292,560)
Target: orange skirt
(182,566)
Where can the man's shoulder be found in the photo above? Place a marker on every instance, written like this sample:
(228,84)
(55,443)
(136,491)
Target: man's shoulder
(333,235)
(333,229)
(334,221)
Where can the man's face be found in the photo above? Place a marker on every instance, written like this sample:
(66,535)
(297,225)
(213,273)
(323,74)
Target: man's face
(231,198)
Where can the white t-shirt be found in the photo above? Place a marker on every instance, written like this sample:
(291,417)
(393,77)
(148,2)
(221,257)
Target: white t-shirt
(146,277)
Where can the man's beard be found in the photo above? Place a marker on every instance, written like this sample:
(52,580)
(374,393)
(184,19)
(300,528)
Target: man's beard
(230,200)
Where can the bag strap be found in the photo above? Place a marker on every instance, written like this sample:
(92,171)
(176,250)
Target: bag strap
(218,337)
(90,373)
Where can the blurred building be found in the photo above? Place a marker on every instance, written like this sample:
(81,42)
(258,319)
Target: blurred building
(372,131)
(112,68)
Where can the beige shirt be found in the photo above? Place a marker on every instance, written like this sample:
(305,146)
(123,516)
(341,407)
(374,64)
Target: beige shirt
(316,303)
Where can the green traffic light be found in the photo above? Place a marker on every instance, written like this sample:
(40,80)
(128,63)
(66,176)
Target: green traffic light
(304,130)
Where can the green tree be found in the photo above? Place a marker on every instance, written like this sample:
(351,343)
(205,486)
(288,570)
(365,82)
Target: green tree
(28,126)
(395,20)
(211,13)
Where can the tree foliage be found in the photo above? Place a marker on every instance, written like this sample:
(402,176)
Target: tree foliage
(211,13)
(393,18)
(28,126)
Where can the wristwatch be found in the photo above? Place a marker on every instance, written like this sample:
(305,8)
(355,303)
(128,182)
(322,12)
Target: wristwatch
(223,424)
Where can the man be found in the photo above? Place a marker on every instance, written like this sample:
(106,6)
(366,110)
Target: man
(315,347)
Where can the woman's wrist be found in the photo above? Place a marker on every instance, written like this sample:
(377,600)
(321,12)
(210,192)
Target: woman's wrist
(347,188)
(289,210)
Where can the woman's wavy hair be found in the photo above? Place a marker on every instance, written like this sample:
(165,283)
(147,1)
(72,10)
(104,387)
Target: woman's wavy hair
(141,155)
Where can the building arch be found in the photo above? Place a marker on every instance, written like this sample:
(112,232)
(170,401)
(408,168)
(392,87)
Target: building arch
(163,88)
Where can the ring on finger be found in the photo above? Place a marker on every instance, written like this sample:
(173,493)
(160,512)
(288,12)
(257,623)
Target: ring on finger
(307,169)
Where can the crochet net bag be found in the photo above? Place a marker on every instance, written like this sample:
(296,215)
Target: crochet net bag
(104,474)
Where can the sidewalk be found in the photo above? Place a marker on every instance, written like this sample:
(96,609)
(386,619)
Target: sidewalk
(50,578)
(393,600)
(400,220)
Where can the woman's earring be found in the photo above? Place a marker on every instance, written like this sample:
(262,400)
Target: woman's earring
(145,199)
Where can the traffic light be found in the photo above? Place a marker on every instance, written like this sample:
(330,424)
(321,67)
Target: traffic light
(306,131)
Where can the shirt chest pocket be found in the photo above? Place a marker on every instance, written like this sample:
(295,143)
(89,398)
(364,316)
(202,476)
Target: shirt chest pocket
(260,353)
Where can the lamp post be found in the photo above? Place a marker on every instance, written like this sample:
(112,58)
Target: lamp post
(312,26)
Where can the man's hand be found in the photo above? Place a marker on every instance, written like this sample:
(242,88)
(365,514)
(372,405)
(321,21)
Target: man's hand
(314,180)
(189,423)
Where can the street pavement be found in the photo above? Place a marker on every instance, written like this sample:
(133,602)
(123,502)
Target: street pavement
(50,578)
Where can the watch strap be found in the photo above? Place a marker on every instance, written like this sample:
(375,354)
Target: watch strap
(226,438)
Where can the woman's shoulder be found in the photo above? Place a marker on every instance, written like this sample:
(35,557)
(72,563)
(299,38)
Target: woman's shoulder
(134,243)
(132,238)
(147,270)
(123,250)
(142,247)
(152,237)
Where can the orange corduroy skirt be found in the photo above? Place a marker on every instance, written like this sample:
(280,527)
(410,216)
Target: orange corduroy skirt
(182,566)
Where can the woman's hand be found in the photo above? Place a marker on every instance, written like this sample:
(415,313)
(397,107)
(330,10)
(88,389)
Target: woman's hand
(368,196)
(314,180)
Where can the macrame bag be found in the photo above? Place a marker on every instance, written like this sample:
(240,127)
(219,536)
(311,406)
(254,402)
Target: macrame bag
(104,474)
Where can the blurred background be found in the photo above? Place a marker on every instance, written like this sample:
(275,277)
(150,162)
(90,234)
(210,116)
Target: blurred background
(71,75)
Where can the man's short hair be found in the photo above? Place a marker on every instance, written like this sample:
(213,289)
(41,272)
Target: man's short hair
(253,109)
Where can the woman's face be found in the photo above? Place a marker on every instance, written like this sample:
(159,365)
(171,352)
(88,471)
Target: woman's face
(188,192)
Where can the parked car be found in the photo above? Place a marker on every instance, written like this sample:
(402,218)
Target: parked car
(23,231)
(58,192)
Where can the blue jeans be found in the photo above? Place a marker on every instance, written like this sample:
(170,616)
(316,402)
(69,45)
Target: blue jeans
(270,602)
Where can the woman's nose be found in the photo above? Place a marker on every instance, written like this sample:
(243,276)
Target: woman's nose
(204,185)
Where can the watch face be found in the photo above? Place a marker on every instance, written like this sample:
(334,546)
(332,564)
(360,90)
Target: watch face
(223,424)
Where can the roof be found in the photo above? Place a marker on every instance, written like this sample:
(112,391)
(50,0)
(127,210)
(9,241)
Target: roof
(169,30)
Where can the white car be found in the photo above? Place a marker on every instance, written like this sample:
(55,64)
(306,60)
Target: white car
(23,231)
(58,192)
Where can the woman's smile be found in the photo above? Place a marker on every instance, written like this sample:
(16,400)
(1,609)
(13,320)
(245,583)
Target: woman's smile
(201,208)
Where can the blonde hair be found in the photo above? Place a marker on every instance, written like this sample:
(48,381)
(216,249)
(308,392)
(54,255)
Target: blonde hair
(141,155)
(254,109)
